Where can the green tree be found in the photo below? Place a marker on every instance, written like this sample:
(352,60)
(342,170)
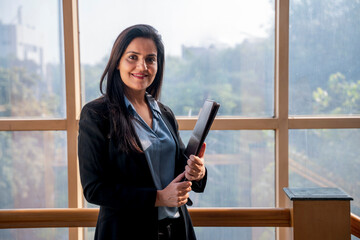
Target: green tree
(340,96)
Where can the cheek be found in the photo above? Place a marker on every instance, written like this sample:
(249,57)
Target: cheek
(154,70)
(125,67)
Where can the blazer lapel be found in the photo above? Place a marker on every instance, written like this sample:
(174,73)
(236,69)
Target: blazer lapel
(165,115)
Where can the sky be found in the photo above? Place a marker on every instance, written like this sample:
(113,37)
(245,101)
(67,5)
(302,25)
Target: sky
(181,22)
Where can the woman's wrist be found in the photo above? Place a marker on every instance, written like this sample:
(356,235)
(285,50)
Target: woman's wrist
(158,201)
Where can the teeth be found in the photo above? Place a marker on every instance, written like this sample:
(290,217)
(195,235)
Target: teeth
(139,75)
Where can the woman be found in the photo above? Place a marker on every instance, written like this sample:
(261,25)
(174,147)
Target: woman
(131,156)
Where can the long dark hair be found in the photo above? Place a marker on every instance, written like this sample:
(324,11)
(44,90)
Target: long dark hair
(121,128)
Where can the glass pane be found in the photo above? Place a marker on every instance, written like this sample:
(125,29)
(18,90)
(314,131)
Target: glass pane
(324,57)
(326,158)
(33,170)
(220,233)
(31,59)
(354,238)
(222,51)
(35,234)
(89,233)
(241,169)
(232,233)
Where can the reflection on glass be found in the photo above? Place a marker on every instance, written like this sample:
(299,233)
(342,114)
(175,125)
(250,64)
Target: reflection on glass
(31,59)
(33,174)
(326,158)
(324,57)
(220,51)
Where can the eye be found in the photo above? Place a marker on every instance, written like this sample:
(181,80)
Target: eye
(151,60)
(133,57)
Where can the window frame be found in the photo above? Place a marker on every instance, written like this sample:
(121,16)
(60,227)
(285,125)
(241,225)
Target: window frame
(281,123)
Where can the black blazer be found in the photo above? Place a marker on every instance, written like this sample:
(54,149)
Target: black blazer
(121,184)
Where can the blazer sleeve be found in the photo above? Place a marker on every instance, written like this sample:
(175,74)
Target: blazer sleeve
(197,186)
(98,187)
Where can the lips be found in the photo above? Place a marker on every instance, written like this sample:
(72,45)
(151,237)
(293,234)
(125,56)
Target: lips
(139,75)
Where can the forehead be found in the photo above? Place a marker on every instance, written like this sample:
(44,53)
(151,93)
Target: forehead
(142,46)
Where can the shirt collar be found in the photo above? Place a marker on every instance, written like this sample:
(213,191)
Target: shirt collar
(152,103)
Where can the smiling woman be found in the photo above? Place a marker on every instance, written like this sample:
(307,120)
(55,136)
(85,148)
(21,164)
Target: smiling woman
(131,156)
(138,66)
(219,50)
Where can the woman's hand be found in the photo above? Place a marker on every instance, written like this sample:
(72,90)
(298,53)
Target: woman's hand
(195,168)
(175,194)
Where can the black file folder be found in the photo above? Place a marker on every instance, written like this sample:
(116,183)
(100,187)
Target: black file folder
(202,127)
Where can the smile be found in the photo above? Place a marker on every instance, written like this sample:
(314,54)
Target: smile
(139,75)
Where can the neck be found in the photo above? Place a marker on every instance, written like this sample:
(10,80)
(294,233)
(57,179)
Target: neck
(136,97)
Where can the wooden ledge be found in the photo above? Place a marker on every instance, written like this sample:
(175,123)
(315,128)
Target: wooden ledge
(201,217)
(355,225)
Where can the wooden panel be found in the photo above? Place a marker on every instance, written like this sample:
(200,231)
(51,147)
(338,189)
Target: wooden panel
(73,105)
(70,217)
(220,217)
(281,105)
(324,122)
(32,124)
(39,218)
(259,217)
(232,123)
(72,71)
(281,98)
(323,219)
(355,225)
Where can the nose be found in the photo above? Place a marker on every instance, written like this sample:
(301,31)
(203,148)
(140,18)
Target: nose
(142,65)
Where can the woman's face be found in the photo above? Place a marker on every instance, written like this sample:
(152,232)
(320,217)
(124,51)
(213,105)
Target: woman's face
(138,65)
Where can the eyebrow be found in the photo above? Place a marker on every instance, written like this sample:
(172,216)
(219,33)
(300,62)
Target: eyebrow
(151,54)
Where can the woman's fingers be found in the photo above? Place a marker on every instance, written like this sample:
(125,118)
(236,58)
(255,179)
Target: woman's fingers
(175,194)
(179,178)
(195,168)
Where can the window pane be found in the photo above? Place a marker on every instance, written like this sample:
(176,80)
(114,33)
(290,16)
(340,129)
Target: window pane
(222,51)
(35,234)
(324,57)
(241,169)
(89,233)
(232,233)
(220,233)
(241,173)
(33,170)
(326,158)
(33,174)
(31,59)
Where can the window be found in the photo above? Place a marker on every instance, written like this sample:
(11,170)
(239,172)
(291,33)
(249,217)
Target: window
(33,163)
(324,80)
(289,114)
(323,58)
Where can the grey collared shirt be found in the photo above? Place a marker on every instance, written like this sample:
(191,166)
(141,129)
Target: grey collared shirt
(159,147)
